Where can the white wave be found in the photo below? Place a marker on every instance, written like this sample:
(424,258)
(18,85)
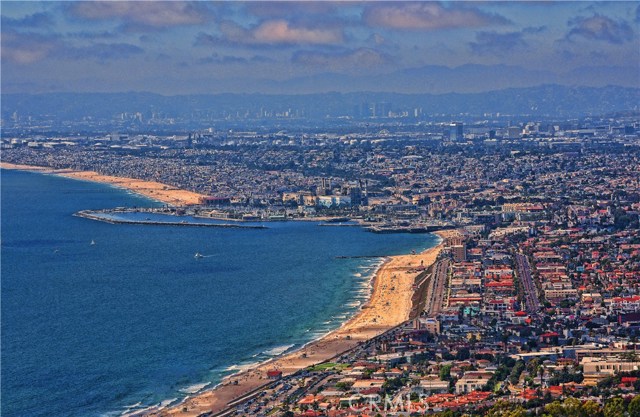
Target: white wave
(242,367)
(279,350)
(195,388)
(165,403)
(138,412)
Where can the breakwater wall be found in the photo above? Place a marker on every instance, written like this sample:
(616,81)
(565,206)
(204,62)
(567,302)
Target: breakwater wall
(95,215)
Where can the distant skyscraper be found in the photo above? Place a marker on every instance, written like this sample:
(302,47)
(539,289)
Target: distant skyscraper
(514,132)
(456,132)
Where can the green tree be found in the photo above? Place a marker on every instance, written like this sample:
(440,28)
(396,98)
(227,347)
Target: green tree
(614,408)
(572,406)
(634,407)
(516,371)
(445,373)
(505,409)
(591,409)
(463,354)
(554,409)
(343,386)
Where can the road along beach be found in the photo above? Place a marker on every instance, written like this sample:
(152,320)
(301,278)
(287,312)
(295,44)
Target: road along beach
(389,306)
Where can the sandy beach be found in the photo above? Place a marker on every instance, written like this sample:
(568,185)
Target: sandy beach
(160,192)
(390,305)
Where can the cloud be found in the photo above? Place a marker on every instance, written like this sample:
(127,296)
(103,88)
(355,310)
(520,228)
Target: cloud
(497,43)
(30,48)
(36,20)
(230,59)
(271,32)
(91,35)
(26,48)
(428,16)
(279,31)
(358,58)
(102,51)
(500,44)
(280,9)
(143,14)
(600,28)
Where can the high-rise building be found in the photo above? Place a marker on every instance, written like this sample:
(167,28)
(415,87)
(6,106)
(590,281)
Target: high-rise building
(456,132)
(514,132)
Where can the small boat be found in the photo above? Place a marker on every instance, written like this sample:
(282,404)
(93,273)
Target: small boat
(93,242)
(198,255)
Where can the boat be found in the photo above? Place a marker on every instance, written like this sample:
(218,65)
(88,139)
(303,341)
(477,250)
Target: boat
(93,242)
(198,255)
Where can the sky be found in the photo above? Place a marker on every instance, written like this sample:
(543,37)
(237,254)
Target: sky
(300,47)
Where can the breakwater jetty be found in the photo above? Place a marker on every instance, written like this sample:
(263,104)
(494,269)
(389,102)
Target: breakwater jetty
(103,216)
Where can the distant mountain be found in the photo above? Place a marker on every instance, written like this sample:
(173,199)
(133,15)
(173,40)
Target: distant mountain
(439,79)
(546,100)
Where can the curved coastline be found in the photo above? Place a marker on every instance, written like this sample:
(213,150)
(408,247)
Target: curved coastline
(159,192)
(389,304)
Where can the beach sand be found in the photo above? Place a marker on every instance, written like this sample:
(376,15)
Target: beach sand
(390,305)
(161,192)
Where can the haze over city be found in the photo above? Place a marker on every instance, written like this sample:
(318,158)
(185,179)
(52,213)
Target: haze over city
(303,47)
(320,209)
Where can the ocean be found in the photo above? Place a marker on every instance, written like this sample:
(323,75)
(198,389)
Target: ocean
(100,319)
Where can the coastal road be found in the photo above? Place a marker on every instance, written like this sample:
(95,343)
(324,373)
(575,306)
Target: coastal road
(435,295)
(530,294)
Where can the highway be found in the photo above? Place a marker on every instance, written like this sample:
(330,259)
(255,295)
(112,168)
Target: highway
(437,287)
(530,294)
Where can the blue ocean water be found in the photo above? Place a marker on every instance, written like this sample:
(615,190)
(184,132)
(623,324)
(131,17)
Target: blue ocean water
(135,319)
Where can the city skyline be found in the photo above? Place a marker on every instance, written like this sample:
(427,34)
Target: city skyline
(303,47)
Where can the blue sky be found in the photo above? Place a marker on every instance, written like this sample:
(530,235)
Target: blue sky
(292,47)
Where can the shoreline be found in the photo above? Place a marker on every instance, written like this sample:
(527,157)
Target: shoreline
(156,191)
(389,304)
(386,308)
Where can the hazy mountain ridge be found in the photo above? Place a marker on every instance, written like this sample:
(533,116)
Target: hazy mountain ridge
(541,100)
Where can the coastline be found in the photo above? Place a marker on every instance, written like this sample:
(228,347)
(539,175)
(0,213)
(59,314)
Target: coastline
(162,193)
(389,305)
